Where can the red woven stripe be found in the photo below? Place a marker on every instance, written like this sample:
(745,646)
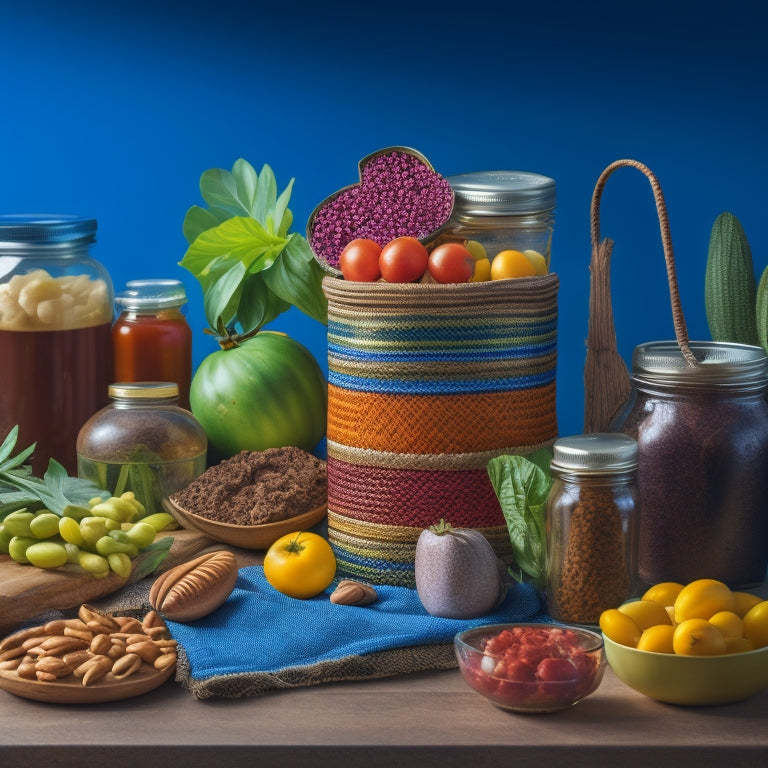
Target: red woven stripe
(410,497)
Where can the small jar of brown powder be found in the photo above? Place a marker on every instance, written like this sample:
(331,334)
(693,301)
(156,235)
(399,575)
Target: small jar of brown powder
(591,526)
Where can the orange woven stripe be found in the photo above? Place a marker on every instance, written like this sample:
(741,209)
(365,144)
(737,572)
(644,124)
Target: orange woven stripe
(433,424)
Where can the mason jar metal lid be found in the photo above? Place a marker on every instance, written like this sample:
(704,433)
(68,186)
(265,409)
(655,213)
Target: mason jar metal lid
(152,294)
(721,365)
(45,229)
(143,390)
(596,453)
(499,193)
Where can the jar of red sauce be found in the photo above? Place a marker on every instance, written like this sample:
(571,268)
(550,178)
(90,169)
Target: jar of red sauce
(151,338)
(56,310)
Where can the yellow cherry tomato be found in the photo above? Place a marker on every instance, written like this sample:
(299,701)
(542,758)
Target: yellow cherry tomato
(703,598)
(657,638)
(745,601)
(538,261)
(665,592)
(619,627)
(697,637)
(755,623)
(511,264)
(300,564)
(646,613)
(482,271)
(729,624)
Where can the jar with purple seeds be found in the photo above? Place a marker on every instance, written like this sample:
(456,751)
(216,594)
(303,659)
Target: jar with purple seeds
(504,210)
(702,434)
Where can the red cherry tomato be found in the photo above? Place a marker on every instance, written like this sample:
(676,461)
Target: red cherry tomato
(360,260)
(451,263)
(403,260)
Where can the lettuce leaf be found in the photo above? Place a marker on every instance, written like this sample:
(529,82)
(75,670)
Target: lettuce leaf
(522,485)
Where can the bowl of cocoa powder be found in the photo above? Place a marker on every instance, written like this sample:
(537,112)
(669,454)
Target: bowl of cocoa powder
(254,497)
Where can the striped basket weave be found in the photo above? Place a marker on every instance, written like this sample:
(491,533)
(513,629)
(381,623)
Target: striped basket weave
(426,383)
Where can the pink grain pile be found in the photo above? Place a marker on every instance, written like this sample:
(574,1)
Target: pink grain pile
(398,195)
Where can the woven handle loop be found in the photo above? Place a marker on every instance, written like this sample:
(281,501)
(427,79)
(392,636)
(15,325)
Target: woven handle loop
(681,330)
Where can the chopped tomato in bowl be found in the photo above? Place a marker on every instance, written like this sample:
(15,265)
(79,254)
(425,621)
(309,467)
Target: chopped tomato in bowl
(531,667)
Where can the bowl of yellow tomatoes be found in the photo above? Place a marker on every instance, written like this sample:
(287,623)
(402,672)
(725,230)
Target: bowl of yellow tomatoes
(695,644)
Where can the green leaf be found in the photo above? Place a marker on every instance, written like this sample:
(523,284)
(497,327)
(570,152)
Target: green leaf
(258,305)
(148,560)
(522,485)
(297,278)
(197,221)
(223,296)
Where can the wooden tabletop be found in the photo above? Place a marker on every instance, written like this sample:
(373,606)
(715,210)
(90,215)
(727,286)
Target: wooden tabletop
(429,719)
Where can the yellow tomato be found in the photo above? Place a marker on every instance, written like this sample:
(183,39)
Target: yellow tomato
(744,601)
(300,564)
(646,613)
(756,624)
(697,637)
(657,638)
(703,598)
(664,592)
(738,645)
(511,264)
(619,627)
(729,624)
(538,261)
(482,271)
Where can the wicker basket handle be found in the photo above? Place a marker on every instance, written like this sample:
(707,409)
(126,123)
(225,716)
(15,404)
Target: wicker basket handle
(606,378)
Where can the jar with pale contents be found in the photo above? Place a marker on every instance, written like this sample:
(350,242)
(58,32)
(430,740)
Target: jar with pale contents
(55,345)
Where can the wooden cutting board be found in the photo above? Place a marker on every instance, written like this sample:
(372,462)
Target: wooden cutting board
(26,591)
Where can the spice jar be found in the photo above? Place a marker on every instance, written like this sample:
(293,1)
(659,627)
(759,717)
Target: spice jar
(55,345)
(504,210)
(151,338)
(591,526)
(702,434)
(142,442)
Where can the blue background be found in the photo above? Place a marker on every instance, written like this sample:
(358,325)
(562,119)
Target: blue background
(113,110)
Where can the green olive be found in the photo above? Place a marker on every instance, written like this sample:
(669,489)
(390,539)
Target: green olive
(69,530)
(44,525)
(107,545)
(18,523)
(17,547)
(94,564)
(120,563)
(92,529)
(141,534)
(5,539)
(47,554)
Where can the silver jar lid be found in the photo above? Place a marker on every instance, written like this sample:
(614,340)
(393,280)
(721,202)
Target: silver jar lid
(721,365)
(152,294)
(499,193)
(143,390)
(45,229)
(596,453)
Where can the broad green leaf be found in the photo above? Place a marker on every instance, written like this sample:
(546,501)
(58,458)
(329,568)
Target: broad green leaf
(150,558)
(264,202)
(281,214)
(197,221)
(247,185)
(223,296)
(219,189)
(258,305)
(297,278)
(9,443)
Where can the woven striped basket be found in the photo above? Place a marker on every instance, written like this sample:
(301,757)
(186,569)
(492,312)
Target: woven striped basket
(426,383)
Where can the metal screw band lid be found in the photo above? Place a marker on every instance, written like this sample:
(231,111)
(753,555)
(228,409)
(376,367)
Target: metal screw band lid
(152,294)
(500,193)
(597,453)
(45,229)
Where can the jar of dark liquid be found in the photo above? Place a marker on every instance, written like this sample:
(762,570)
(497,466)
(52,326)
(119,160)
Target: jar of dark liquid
(55,344)
(702,434)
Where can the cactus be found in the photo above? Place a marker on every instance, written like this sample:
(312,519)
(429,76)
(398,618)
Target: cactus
(730,292)
(762,310)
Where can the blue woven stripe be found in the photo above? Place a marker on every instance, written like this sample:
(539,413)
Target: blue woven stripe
(458,355)
(414,333)
(441,386)
(378,564)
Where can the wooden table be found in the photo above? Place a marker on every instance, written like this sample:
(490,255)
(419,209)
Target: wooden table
(430,719)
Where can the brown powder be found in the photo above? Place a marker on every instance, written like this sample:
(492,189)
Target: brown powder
(255,487)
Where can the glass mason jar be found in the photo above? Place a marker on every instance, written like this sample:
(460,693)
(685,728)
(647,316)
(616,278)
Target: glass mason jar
(151,338)
(142,442)
(503,210)
(591,526)
(702,433)
(55,317)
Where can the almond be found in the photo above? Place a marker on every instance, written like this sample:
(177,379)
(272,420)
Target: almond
(350,592)
(194,589)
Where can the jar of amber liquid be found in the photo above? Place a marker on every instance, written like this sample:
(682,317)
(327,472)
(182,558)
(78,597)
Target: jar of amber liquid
(591,526)
(142,442)
(55,345)
(702,434)
(151,338)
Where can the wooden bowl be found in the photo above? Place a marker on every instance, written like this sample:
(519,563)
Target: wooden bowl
(244,536)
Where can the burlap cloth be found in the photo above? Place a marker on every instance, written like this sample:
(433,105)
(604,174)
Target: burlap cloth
(261,640)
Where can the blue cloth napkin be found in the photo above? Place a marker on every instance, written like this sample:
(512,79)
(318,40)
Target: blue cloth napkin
(260,630)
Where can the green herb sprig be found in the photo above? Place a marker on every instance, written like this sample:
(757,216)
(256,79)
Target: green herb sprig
(522,485)
(56,491)
(250,267)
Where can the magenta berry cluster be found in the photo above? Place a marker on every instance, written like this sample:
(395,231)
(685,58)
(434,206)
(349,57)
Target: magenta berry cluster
(398,195)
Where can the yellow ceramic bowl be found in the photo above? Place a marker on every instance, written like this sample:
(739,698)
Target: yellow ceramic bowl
(690,680)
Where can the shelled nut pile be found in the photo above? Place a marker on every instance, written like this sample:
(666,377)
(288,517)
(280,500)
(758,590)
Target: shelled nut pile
(89,648)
